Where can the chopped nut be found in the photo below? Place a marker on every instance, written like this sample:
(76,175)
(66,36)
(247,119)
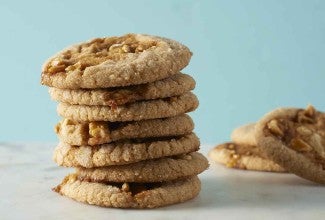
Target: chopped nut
(67,121)
(56,69)
(233,160)
(310,111)
(318,145)
(302,130)
(125,187)
(302,118)
(300,145)
(114,46)
(274,127)
(57,128)
(140,48)
(98,129)
(126,49)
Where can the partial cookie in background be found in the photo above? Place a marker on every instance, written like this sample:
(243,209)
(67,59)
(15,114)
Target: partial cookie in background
(159,108)
(158,170)
(115,61)
(129,195)
(125,152)
(295,139)
(94,133)
(175,85)
(242,156)
(244,135)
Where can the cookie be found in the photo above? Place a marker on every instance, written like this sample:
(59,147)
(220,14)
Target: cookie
(115,61)
(159,108)
(175,85)
(244,135)
(129,195)
(295,139)
(158,170)
(242,156)
(94,133)
(125,152)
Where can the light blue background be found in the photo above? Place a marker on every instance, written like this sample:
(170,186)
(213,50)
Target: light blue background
(249,56)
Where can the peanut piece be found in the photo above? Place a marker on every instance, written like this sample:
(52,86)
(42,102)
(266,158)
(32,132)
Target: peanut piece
(299,145)
(126,187)
(274,127)
(302,130)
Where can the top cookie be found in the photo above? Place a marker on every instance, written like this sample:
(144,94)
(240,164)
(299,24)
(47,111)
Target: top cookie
(295,139)
(115,61)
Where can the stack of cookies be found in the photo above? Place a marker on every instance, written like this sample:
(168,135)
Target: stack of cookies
(284,140)
(123,101)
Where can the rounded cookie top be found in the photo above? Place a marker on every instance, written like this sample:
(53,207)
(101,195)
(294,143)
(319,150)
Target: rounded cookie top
(295,139)
(94,133)
(244,135)
(175,85)
(142,110)
(242,156)
(124,152)
(115,61)
(158,170)
(129,195)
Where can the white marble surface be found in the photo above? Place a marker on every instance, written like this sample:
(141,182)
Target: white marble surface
(27,174)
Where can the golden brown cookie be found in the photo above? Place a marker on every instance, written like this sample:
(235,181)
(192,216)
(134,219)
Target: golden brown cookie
(129,195)
(244,135)
(295,139)
(159,108)
(242,156)
(175,85)
(123,152)
(115,61)
(158,170)
(94,133)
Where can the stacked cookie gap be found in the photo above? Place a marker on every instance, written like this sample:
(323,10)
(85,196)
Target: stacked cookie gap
(125,129)
(288,140)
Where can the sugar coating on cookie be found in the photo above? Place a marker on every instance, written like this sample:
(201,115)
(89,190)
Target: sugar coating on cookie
(115,61)
(123,152)
(94,133)
(158,108)
(158,170)
(242,156)
(295,139)
(129,195)
(175,85)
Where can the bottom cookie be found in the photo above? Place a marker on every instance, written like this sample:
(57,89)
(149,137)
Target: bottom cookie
(129,195)
(243,157)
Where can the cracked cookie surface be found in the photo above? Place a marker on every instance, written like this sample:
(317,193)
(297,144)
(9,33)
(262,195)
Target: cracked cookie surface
(175,85)
(115,61)
(240,156)
(295,139)
(159,108)
(128,195)
(158,170)
(123,152)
